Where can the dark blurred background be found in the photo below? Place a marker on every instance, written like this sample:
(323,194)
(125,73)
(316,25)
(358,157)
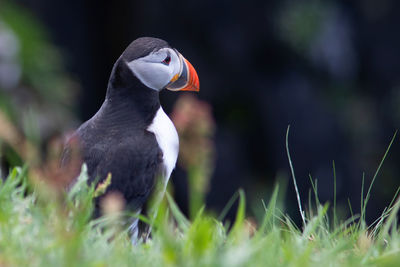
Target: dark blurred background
(328,68)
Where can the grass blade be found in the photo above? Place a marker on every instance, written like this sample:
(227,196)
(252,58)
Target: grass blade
(335,222)
(178,215)
(376,174)
(294,177)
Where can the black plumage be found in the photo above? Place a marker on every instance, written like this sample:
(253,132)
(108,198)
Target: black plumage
(115,139)
(142,47)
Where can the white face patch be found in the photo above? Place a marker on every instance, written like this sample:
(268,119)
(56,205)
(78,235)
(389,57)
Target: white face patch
(154,71)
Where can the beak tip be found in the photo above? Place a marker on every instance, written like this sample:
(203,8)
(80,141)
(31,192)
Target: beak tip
(191,78)
(196,84)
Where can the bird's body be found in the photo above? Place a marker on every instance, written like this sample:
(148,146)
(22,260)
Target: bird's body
(130,136)
(116,141)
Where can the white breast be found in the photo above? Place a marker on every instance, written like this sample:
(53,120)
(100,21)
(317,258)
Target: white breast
(167,139)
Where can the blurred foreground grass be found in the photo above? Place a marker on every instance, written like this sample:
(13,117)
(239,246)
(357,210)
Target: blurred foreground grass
(40,228)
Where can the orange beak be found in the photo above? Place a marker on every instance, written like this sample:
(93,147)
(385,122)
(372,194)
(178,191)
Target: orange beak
(193,80)
(187,80)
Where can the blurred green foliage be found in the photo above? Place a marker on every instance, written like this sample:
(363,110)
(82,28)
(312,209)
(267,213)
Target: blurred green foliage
(41,228)
(196,127)
(42,65)
(36,92)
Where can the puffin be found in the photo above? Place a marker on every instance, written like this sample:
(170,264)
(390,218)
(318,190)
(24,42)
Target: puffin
(130,136)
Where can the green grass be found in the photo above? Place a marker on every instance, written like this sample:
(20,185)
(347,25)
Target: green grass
(39,227)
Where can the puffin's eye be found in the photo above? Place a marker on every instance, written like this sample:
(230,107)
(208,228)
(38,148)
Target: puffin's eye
(167,60)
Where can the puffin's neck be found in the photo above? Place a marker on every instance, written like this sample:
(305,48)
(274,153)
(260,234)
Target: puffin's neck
(128,102)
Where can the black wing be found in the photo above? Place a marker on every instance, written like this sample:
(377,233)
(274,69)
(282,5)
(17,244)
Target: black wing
(133,164)
(133,161)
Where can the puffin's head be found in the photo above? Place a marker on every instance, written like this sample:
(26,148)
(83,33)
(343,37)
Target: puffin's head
(159,66)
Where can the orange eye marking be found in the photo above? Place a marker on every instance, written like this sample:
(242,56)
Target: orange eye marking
(176,76)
